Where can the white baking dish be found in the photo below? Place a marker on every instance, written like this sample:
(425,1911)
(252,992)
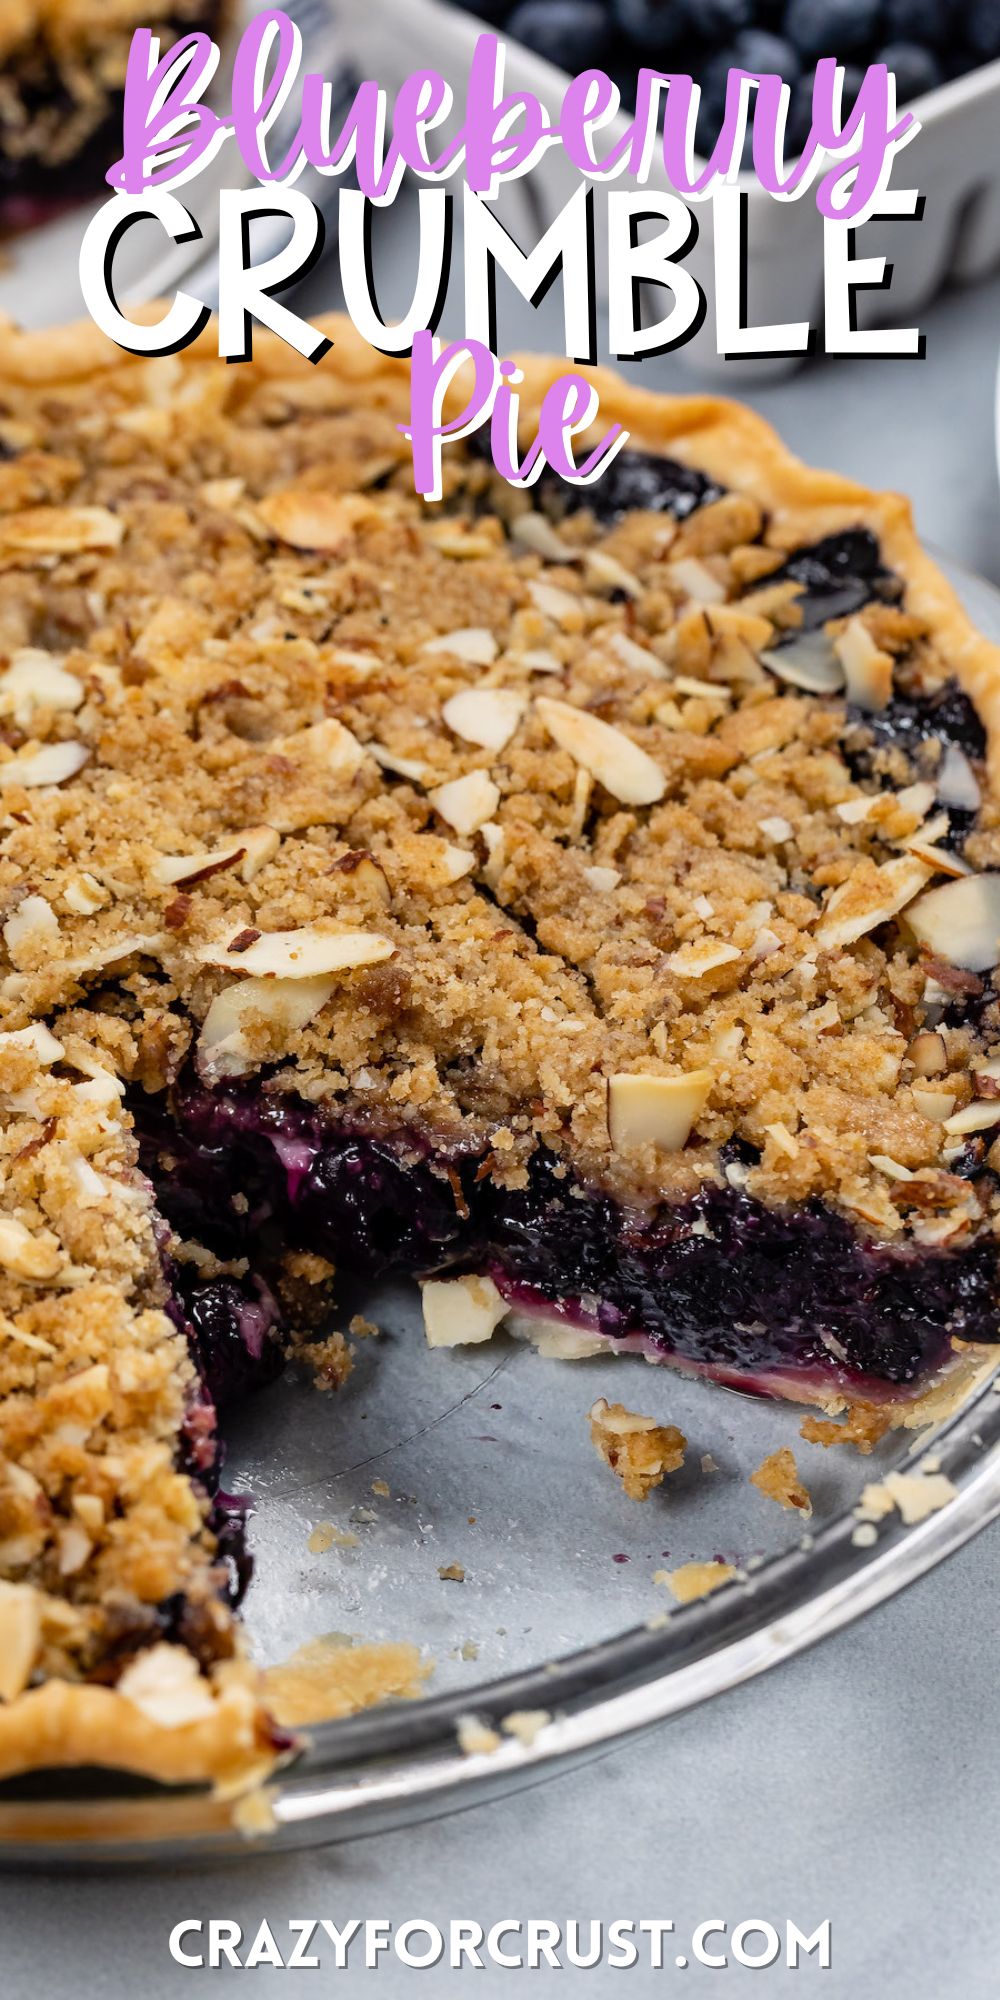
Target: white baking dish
(954,161)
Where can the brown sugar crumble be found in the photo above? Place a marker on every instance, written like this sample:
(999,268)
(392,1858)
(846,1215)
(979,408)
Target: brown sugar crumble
(777,1477)
(639,1450)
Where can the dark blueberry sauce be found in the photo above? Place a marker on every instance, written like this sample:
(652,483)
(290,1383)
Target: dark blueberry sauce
(838,575)
(635,480)
(720,1281)
(909,720)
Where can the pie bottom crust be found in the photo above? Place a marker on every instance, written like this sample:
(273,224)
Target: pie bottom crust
(64,1724)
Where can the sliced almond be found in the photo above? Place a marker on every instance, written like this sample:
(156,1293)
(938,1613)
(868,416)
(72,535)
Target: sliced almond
(60,531)
(487,716)
(539,660)
(960,921)
(287,1004)
(327,743)
(976,1117)
(937,1105)
(928,1053)
(784,1140)
(701,690)
(302,954)
(559,605)
(704,955)
(169,869)
(437,863)
(534,531)
(33,918)
(83,894)
(53,764)
(808,661)
(165,1685)
(861,904)
(308,518)
(940,860)
(631,654)
(696,580)
(655,1110)
(495,844)
(626,771)
(402,767)
(35,679)
(253,849)
(607,573)
(776,828)
(460,1312)
(466,803)
(957,784)
(32,1256)
(20,1636)
(38,1038)
(473,643)
(867,669)
(602,879)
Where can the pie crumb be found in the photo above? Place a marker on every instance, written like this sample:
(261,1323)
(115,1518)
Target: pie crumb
(330,1360)
(525,1723)
(451,1573)
(253,1815)
(381,1488)
(916,1494)
(638,1449)
(325,1679)
(476,1738)
(326,1536)
(862,1427)
(777,1477)
(694,1579)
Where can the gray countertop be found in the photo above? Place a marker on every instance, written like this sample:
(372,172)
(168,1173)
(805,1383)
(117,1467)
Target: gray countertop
(857,1783)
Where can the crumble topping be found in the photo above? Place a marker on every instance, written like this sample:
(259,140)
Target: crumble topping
(777,1477)
(638,1449)
(695,1579)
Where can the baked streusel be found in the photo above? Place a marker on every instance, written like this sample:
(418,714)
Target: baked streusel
(62,76)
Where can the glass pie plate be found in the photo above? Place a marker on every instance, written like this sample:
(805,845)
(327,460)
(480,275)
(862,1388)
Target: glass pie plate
(479,1459)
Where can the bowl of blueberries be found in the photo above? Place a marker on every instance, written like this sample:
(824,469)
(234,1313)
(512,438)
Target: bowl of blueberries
(946,64)
(926,43)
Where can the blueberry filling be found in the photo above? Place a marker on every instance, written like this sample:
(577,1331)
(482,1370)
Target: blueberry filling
(635,480)
(909,720)
(838,575)
(720,1282)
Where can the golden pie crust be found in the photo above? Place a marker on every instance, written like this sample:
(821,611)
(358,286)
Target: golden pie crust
(231,593)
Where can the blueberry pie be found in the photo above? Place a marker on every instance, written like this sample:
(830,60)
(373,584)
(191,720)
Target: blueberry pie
(62,73)
(583,900)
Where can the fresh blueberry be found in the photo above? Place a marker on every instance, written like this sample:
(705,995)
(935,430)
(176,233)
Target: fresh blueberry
(923,21)
(763,54)
(981,28)
(914,69)
(574,34)
(663,27)
(831,27)
(656,28)
(493,12)
(854,77)
(799,122)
